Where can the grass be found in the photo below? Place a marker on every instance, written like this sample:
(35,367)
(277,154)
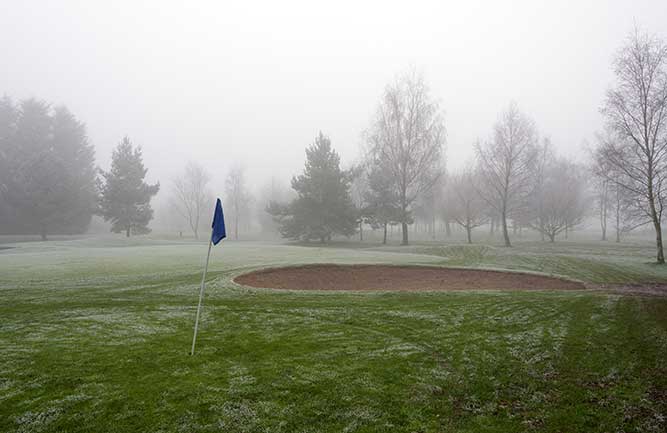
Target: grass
(592,262)
(94,337)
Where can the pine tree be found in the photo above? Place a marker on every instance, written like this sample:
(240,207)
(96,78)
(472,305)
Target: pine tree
(8,116)
(382,202)
(77,156)
(323,206)
(37,179)
(125,199)
(48,176)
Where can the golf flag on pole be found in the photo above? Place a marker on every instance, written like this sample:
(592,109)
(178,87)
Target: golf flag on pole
(218,233)
(218,226)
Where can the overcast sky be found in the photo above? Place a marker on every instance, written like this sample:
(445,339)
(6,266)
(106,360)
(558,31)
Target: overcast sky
(253,82)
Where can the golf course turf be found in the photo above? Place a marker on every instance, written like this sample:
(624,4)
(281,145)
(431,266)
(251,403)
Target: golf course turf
(95,335)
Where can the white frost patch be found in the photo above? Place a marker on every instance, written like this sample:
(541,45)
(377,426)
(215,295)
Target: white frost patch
(31,422)
(403,349)
(239,379)
(236,416)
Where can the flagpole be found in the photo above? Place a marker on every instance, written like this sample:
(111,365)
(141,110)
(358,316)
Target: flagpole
(201,295)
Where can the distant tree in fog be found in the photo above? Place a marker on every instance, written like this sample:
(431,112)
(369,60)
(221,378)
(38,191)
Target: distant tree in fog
(602,186)
(626,214)
(559,201)
(358,192)
(237,198)
(427,207)
(445,207)
(79,190)
(635,110)
(465,206)
(125,199)
(382,202)
(47,175)
(323,206)
(272,191)
(506,165)
(190,195)
(8,118)
(536,218)
(623,206)
(406,141)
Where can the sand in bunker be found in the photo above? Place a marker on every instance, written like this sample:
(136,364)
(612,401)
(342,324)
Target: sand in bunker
(385,277)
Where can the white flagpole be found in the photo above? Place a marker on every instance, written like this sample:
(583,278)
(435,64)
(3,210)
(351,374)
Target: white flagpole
(201,295)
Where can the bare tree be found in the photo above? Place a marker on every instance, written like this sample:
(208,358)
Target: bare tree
(603,193)
(559,203)
(238,197)
(465,206)
(624,206)
(190,194)
(506,165)
(636,111)
(406,140)
(603,186)
(627,215)
(543,158)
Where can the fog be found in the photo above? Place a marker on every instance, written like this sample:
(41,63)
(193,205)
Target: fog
(253,82)
(506,158)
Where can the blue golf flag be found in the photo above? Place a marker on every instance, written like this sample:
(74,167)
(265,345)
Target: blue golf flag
(218,226)
(217,234)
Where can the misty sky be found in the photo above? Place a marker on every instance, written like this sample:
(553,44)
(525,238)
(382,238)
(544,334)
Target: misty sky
(253,82)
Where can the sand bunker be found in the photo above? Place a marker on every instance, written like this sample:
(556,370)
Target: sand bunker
(387,277)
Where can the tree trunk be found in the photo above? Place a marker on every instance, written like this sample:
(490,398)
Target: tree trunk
(603,211)
(127,232)
(656,220)
(658,239)
(506,235)
(404,227)
(469,230)
(361,231)
(448,229)
(384,237)
(618,223)
(552,237)
(43,233)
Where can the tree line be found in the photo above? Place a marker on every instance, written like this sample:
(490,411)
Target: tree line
(516,179)
(49,183)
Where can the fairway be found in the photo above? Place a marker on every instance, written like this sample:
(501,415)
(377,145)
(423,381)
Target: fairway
(95,335)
